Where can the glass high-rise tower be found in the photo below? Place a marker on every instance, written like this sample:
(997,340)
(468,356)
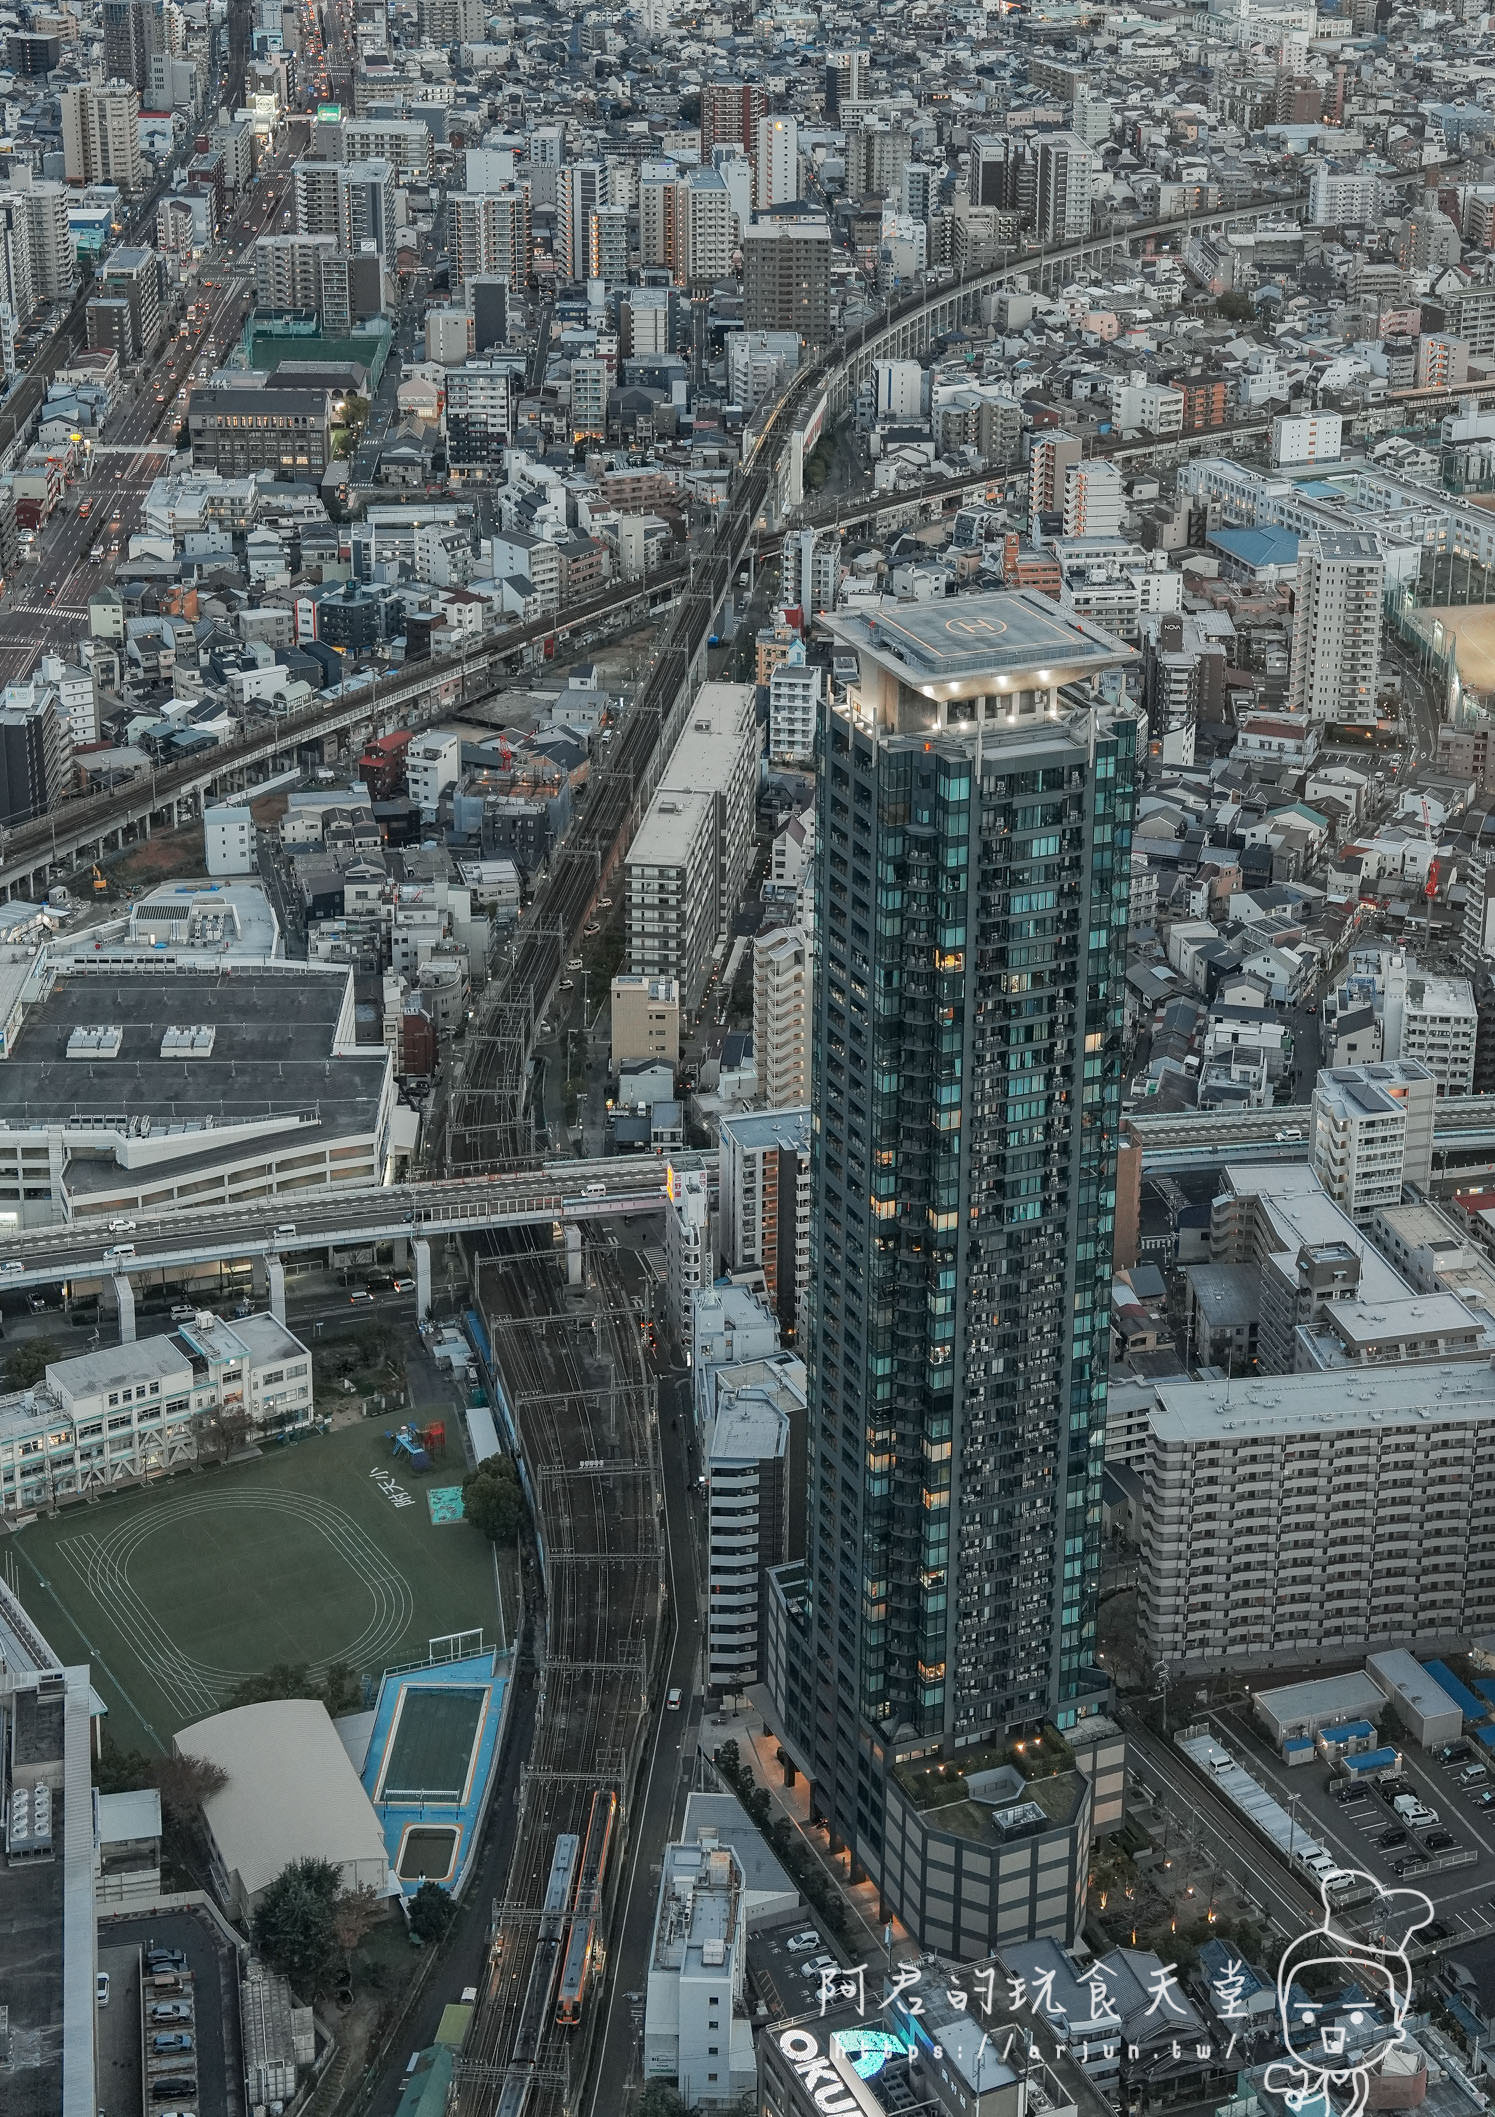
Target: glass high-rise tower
(973,868)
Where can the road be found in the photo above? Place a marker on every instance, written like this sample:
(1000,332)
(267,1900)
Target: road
(44,609)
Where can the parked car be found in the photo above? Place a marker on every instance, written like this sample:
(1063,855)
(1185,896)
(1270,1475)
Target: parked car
(799,1942)
(1439,1840)
(101,1988)
(1453,1753)
(1389,1838)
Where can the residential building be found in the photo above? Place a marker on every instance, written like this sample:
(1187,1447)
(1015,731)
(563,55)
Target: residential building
(288,270)
(747,1458)
(961,1259)
(479,415)
(490,235)
(783,979)
(101,135)
(1336,649)
(1432,1020)
(763,1204)
(793,708)
(1295,1521)
(1094,500)
(687,864)
(36,751)
(730,114)
(786,275)
(1053,458)
(230,849)
(1373,1132)
(777,175)
(137,278)
(1065,178)
(132,30)
(690,1265)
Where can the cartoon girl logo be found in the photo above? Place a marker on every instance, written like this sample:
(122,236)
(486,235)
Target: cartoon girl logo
(1332,2051)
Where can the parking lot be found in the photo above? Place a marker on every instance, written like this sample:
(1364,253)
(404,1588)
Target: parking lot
(779,1967)
(1452,1860)
(209,1986)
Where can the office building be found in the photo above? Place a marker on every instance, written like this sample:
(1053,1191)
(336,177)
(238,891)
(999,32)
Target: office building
(786,276)
(697,2030)
(1373,1132)
(687,865)
(1336,649)
(748,1523)
(777,173)
(101,135)
(36,751)
(1301,1520)
(964,1170)
(491,235)
(237,430)
(479,415)
(783,978)
(644,1019)
(1065,166)
(763,1204)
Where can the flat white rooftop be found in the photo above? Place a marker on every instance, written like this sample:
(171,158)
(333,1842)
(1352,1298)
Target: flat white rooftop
(1407,1394)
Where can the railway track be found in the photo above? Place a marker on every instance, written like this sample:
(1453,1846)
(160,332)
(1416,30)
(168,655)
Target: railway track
(582,1403)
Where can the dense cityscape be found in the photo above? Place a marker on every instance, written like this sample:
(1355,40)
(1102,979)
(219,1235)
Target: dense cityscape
(747,1059)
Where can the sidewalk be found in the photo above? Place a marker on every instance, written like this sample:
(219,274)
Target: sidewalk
(757,1749)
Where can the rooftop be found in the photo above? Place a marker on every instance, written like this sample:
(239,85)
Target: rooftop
(1235,1412)
(961,646)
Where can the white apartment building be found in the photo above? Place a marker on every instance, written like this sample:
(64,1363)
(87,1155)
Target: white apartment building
(793,708)
(136,1410)
(763,1204)
(783,982)
(778,162)
(1336,196)
(689,1259)
(1372,1132)
(747,1475)
(1432,1020)
(1094,500)
(1336,650)
(433,763)
(228,832)
(1299,1519)
(1307,437)
(687,865)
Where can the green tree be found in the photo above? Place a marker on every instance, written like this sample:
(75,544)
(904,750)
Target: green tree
(341,1689)
(184,1783)
(492,1500)
(122,1771)
(28,1363)
(431,1912)
(1234,305)
(294,1927)
(659,2099)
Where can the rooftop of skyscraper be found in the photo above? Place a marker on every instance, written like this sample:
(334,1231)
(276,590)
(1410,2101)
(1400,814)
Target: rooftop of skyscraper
(954,648)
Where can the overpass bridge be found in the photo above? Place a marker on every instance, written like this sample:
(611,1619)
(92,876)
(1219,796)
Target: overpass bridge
(1177,1141)
(557,1193)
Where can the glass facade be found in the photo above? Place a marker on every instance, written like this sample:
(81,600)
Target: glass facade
(972,892)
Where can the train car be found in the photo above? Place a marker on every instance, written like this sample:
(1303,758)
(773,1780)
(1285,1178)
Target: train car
(513,2098)
(560,1890)
(560,1896)
(581,1944)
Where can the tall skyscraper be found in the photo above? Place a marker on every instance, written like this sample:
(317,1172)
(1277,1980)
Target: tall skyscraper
(101,135)
(972,874)
(132,32)
(1336,655)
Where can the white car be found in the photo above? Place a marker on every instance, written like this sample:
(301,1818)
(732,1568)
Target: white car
(801,1941)
(673,1698)
(817,1966)
(101,1988)
(12,1264)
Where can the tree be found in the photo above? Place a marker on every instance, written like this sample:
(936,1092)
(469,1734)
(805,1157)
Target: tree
(356,1913)
(431,1912)
(1236,306)
(492,1500)
(294,1929)
(340,1687)
(659,2099)
(122,1771)
(28,1363)
(185,1783)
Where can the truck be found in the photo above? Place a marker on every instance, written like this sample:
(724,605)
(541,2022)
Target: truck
(1409,1809)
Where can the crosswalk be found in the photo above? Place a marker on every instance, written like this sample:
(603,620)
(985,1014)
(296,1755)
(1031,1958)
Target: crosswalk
(57,609)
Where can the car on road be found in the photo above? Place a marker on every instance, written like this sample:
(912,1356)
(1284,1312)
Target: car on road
(101,1988)
(673,1698)
(12,1264)
(359,1295)
(402,1286)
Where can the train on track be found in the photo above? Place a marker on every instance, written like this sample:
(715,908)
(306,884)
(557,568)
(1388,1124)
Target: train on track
(581,1945)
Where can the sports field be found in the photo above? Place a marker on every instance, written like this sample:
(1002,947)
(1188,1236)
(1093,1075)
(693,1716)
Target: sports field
(430,1757)
(323,1550)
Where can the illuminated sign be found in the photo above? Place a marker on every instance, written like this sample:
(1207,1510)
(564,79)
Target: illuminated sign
(329,113)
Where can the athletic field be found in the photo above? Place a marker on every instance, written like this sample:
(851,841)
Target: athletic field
(430,1757)
(321,1550)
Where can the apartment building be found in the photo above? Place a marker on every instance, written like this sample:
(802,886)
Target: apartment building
(747,1459)
(763,1204)
(687,865)
(238,430)
(479,415)
(490,235)
(782,980)
(793,708)
(1302,1520)
(1373,1132)
(786,275)
(1336,648)
(132,1411)
(689,1259)
(1433,1021)
(101,135)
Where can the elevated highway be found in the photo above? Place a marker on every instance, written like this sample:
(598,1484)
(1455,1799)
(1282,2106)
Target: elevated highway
(1181,1140)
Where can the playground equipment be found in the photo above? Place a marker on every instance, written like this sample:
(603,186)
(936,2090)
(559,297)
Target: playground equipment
(421,1445)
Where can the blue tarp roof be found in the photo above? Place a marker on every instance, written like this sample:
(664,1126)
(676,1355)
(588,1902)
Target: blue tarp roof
(1471,1707)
